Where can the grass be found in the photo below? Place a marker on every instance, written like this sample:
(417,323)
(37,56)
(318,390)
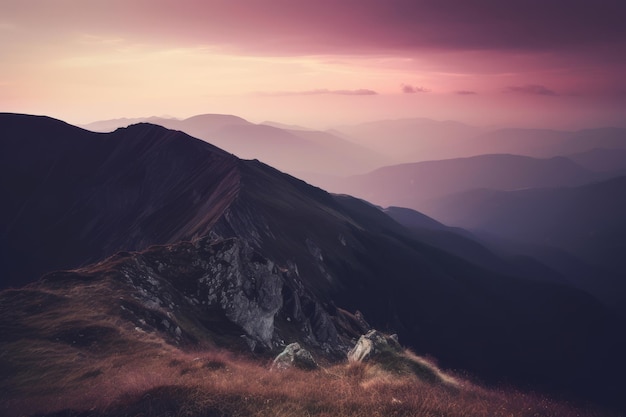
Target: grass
(160,380)
(75,355)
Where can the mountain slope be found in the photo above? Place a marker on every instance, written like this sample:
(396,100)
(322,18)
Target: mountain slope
(577,230)
(73,197)
(412,185)
(542,143)
(587,221)
(415,140)
(300,260)
(126,337)
(601,159)
(458,242)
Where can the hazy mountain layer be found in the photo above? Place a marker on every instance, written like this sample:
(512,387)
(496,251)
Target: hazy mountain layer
(415,140)
(413,185)
(578,231)
(601,159)
(587,221)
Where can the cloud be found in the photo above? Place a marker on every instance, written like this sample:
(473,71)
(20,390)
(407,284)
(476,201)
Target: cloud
(410,89)
(465,92)
(374,25)
(359,92)
(323,91)
(331,27)
(532,89)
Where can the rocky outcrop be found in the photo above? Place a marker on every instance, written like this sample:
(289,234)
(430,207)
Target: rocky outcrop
(226,275)
(294,356)
(220,285)
(373,344)
(316,325)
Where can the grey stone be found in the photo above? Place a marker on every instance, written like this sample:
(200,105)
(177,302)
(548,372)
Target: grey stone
(294,356)
(372,344)
(226,274)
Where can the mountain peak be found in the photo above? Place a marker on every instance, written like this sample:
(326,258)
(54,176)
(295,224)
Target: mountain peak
(223,119)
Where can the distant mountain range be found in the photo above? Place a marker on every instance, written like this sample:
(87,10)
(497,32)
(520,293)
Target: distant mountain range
(412,185)
(546,209)
(601,159)
(587,221)
(416,140)
(293,150)
(247,250)
(323,158)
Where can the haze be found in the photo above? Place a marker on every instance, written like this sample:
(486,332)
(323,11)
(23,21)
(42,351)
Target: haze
(557,64)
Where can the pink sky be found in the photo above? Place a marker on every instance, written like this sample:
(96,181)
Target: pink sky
(557,63)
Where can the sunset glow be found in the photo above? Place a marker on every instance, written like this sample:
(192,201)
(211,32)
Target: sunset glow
(317,63)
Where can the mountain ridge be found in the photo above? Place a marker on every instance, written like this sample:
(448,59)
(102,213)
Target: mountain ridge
(291,150)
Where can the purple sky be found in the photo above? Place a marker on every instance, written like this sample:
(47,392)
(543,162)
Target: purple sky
(544,63)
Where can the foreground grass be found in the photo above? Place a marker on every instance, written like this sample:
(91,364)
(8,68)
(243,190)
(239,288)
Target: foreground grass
(160,380)
(72,352)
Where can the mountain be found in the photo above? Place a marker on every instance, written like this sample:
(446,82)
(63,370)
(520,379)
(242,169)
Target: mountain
(588,139)
(601,159)
(413,185)
(104,126)
(286,126)
(73,197)
(586,221)
(245,250)
(416,140)
(413,140)
(130,336)
(293,150)
(538,143)
(456,241)
(543,143)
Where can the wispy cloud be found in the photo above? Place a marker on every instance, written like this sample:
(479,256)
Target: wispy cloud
(89,39)
(410,89)
(465,93)
(533,89)
(322,91)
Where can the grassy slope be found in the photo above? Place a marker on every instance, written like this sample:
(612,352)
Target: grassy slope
(72,353)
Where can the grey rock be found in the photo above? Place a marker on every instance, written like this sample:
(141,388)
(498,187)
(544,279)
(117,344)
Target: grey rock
(294,356)
(192,283)
(311,317)
(226,274)
(372,344)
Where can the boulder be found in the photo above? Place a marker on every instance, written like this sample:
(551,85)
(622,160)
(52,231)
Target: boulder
(294,356)
(385,351)
(372,344)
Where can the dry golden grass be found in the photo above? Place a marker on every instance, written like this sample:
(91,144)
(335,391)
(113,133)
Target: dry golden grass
(160,380)
(118,369)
